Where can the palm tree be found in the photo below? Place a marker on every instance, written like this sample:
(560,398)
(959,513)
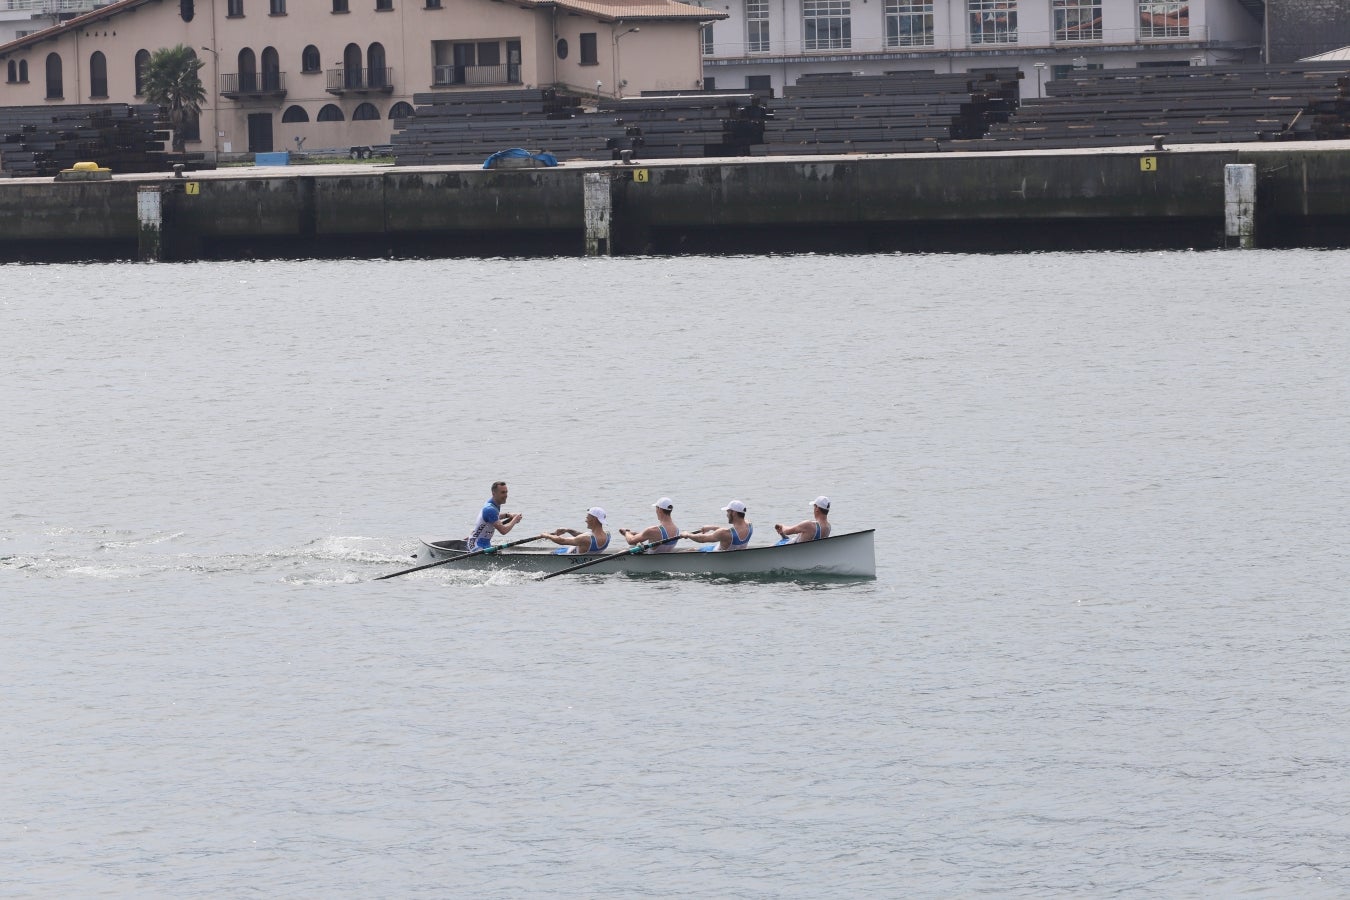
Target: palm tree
(171,81)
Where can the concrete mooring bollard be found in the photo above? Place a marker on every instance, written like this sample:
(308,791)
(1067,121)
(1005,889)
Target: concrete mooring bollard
(1239,205)
(150,213)
(599,210)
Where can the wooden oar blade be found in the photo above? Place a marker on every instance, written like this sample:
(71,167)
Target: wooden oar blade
(441,562)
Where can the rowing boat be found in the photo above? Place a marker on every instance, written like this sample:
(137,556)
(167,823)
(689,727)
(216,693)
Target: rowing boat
(842,556)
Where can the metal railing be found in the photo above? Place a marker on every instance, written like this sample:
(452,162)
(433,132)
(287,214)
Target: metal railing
(54,6)
(444,76)
(1018,39)
(253,83)
(378,79)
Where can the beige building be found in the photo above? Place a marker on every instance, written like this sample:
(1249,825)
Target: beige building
(282,74)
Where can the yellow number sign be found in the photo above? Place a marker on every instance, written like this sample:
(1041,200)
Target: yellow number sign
(1148,163)
(641,176)
(193,188)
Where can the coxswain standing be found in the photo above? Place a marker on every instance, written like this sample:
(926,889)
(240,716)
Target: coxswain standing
(491,519)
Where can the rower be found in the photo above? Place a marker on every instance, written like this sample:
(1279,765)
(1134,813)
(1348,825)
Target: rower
(663,530)
(593,540)
(812,529)
(491,519)
(735,535)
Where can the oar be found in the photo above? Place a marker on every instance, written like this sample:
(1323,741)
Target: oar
(640,548)
(461,556)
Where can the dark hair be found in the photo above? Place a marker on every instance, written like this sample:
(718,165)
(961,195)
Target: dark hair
(497,484)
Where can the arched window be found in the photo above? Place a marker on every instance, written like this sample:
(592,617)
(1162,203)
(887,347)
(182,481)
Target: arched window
(295,114)
(98,74)
(365,113)
(23,71)
(309,59)
(185,10)
(13,71)
(330,113)
(351,66)
(248,70)
(55,89)
(401,110)
(142,60)
(271,69)
(375,62)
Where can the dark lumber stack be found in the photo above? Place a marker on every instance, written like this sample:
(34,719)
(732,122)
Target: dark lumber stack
(469,126)
(41,141)
(688,124)
(896,112)
(1219,104)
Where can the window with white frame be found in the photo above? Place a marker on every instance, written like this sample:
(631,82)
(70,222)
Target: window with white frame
(992,21)
(1077,20)
(757,26)
(909,23)
(706,37)
(1164,20)
(826,25)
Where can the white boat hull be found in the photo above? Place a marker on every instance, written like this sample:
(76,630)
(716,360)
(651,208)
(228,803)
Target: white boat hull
(842,556)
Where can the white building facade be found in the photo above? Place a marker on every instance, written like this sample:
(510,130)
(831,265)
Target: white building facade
(771,43)
(20,18)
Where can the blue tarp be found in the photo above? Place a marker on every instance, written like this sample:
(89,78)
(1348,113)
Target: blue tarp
(544,159)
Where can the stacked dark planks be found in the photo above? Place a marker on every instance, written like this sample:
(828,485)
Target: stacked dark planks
(1220,104)
(470,126)
(41,141)
(467,127)
(688,124)
(897,112)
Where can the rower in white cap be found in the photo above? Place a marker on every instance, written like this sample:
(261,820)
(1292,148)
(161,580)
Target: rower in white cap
(664,529)
(732,536)
(812,529)
(594,540)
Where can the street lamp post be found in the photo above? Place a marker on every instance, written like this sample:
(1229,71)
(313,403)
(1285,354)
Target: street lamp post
(619,81)
(215,105)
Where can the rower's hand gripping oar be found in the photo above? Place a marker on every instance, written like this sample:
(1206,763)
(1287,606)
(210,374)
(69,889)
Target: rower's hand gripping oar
(631,551)
(484,551)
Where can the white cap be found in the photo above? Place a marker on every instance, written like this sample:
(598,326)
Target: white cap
(823,502)
(735,506)
(597,512)
(665,503)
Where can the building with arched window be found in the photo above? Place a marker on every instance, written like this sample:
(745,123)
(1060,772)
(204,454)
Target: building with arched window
(338,74)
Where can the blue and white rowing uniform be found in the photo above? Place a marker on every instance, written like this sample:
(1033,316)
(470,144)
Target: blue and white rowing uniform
(737,543)
(796,538)
(665,536)
(481,536)
(594,548)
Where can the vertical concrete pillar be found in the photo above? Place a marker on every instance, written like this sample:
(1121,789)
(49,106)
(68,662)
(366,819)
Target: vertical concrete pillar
(1239,205)
(599,213)
(150,213)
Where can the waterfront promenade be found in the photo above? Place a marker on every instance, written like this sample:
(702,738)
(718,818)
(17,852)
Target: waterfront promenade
(1135,197)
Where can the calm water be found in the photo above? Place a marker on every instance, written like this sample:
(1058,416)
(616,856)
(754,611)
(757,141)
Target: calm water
(1106,653)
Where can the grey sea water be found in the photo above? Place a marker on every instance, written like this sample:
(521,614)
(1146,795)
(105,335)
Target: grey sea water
(1105,654)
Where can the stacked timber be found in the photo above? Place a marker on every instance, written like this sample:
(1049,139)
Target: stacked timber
(41,141)
(688,124)
(469,126)
(897,112)
(1220,104)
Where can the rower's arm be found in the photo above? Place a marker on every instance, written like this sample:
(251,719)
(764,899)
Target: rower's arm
(799,528)
(705,537)
(636,537)
(506,522)
(561,536)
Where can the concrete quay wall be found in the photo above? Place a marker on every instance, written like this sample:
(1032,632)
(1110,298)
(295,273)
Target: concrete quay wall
(953,201)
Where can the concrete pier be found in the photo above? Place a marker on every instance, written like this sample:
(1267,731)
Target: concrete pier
(1037,200)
